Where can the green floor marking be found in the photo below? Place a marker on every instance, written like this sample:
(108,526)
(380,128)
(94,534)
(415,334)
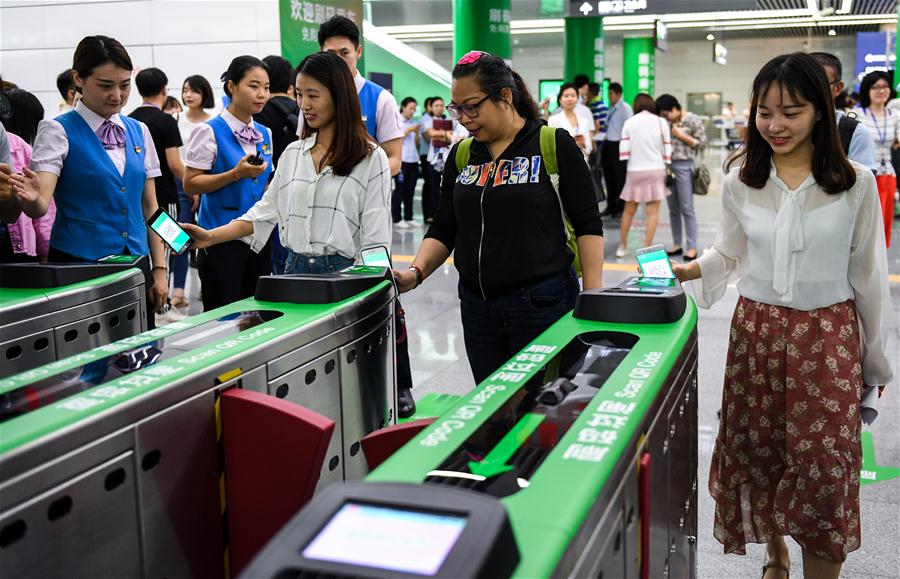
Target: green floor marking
(872,472)
(495,461)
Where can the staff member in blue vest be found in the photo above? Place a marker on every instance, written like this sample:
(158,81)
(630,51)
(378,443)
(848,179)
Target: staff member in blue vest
(99,166)
(340,35)
(219,166)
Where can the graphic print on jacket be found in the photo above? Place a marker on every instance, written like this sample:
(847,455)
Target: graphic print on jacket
(520,170)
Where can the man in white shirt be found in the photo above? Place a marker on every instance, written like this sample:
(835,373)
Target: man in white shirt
(381,115)
(614,169)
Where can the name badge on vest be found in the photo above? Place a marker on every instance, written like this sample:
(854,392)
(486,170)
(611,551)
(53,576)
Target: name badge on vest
(365,118)
(265,149)
(137,150)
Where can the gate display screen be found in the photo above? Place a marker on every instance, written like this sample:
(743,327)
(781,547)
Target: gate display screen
(387,538)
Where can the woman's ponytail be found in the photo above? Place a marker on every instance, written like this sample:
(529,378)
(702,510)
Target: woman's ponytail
(522,99)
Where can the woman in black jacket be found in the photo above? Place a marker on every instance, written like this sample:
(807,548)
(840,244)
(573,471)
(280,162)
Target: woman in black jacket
(503,218)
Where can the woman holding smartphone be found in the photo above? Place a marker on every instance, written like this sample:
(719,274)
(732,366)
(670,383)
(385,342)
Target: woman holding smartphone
(330,196)
(98,166)
(801,226)
(228,162)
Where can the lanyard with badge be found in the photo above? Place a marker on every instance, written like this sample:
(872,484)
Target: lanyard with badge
(882,135)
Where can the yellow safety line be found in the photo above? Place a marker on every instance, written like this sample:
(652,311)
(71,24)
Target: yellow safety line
(607,266)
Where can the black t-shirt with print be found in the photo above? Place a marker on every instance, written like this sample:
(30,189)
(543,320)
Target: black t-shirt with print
(523,236)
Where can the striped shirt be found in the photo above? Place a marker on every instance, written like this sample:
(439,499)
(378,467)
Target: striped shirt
(322,213)
(885,132)
(600,111)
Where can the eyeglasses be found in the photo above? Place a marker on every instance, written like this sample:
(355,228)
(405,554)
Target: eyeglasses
(470,111)
(881,87)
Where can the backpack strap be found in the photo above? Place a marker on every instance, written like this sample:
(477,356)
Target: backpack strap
(846,128)
(548,149)
(462,154)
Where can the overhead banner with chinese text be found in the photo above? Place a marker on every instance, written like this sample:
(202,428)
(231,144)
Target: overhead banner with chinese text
(300,24)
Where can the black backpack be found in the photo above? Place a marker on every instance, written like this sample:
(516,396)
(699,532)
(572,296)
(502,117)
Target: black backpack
(846,126)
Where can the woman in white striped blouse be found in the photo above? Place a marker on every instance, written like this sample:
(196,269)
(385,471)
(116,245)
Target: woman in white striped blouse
(330,196)
(884,124)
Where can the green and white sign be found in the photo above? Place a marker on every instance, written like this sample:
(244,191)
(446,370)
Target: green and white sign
(639,67)
(300,24)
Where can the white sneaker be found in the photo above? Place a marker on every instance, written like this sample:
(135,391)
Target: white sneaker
(413,224)
(620,252)
(401,225)
(168,315)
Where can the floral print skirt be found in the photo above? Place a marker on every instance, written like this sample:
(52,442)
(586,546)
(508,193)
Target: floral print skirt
(787,456)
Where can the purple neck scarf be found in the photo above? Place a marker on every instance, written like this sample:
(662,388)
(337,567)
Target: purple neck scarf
(111,135)
(248,135)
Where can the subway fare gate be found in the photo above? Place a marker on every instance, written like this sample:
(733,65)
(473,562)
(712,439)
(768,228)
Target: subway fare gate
(111,461)
(50,311)
(577,458)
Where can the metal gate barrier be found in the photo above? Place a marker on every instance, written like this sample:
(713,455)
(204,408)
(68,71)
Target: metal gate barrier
(584,442)
(52,311)
(109,460)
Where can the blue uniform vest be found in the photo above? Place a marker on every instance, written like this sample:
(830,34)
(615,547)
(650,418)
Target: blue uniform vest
(230,202)
(368,102)
(99,212)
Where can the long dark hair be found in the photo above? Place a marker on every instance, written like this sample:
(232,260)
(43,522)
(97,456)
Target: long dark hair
(805,80)
(352,142)
(94,51)
(493,75)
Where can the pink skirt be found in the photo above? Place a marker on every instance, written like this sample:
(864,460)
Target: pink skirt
(644,186)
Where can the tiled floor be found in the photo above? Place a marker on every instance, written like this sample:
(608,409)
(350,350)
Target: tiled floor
(439,365)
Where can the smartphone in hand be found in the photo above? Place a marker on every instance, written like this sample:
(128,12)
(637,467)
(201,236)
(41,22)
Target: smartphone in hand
(162,224)
(654,262)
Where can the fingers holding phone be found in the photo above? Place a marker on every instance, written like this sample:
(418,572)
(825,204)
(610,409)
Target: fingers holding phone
(201,237)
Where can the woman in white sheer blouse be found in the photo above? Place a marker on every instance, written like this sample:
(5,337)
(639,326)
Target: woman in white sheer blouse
(802,229)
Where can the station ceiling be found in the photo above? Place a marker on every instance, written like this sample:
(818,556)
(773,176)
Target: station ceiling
(777,18)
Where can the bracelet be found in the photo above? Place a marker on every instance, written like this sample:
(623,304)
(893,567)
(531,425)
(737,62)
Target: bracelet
(419,276)
(162,267)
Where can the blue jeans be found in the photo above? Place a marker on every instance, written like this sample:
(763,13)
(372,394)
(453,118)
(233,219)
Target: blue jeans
(181,262)
(681,204)
(297,263)
(494,330)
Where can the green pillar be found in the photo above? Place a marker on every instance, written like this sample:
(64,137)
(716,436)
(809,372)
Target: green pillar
(584,48)
(897,49)
(639,62)
(482,25)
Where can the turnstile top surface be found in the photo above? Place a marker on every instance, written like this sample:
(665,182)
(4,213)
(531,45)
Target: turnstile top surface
(548,508)
(17,304)
(184,361)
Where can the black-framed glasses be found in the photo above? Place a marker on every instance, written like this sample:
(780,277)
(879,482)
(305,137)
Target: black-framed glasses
(470,111)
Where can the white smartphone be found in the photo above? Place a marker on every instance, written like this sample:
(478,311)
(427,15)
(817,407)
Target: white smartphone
(378,256)
(654,262)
